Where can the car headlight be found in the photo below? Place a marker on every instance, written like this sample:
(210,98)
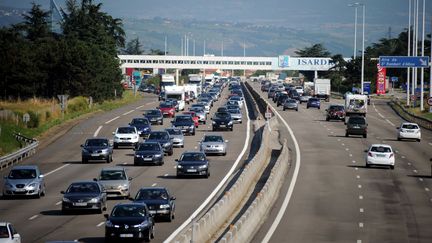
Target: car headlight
(109,224)
(115,137)
(158,155)
(135,137)
(137,155)
(203,166)
(124,186)
(164,206)
(33,185)
(65,199)
(166,144)
(230,123)
(94,200)
(214,123)
(84,150)
(145,129)
(143,224)
(104,150)
(179,166)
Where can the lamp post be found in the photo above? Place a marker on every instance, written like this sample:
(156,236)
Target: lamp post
(363,40)
(355,5)
(409,54)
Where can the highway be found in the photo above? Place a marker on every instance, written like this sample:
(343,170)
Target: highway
(41,220)
(336,198)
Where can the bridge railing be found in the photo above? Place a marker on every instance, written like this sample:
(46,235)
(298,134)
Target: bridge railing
(19,155)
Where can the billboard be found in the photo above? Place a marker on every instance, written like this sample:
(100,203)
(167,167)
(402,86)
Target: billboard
(283,61)
(381,80)
(366,87)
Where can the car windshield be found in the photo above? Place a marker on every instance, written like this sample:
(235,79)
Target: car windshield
(152,112)
(222,114)
(357,120)
(139,121)
(313,100)
(234,111)
(149,147)
(126,130)
(409,126)
(166,105)
(121,211)
(83,188)
(192,157)
(290,101)
(22,174)
(172,131)
(196,108)
(97,142)
(336,108)
(159,135)
(213,139)
(152,194)
(107,175)
(183,119)
(380,149)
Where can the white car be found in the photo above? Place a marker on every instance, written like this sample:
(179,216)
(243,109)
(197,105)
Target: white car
(127,136)
(409,131)
(8,233)
(380,154)
(299,90)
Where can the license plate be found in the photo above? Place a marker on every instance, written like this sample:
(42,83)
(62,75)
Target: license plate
(381,155)
(147,159)
(191,170)
(410,130)
(126,235)
(222,123)
(80,204)
(152,211)
(19,190)
(356,127)
(94,155)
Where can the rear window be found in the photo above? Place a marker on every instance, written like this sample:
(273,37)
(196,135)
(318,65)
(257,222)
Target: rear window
(4,233)
(380,149)
(409,126)
(357,120)
(126,130)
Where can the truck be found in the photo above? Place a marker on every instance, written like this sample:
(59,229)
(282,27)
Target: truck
(167,80)
(322,89)
(209,79)
(355,104)
(178,93)
(195,84)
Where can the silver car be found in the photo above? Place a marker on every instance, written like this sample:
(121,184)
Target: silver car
(176,136)
(236,115)
(24,180)
(304,98)
(115,181)
(202,115)
(290,104)
(213,144)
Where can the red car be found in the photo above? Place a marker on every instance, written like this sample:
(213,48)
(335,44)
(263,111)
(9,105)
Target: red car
(195,118)
(167,109)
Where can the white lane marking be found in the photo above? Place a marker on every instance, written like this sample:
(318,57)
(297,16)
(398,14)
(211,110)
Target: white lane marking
(346,149)
(154,184)
(97,131)
(338,139)
(360,197)
(33,217)
(389,122)
(359,186)
(100,224)
(115,118)
(166,175)
(397,151)
(58,203)
(354,161)
(361,210)
(358,177)
(196,147)
(415,171)
(403,157)
(356,168)
(359,241)
(350,155)
(139,107)
(427,189)
(379,114)
(284,205)
(127,113)
(332,132)
(430,144)
(53,171)
(409,163)
(420,179)
(218,187)
(125,163)
(361,225)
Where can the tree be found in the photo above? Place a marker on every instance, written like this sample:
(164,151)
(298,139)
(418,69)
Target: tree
(316,50)
(36,23)
(134,47)
(156,52)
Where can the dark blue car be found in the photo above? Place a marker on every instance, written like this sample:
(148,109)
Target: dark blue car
(164,139)
(158,200)
(314,102)
(142,125)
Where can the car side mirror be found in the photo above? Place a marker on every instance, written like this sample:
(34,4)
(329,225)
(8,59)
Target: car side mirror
(16,236)
(62,192)
(113,133)
(173,198)
(106,216)
(82,145)
(176,160)
(365,150)
(397,127)
(130,178)
(95,179)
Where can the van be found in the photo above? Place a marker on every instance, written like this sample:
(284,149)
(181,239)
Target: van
(356,125)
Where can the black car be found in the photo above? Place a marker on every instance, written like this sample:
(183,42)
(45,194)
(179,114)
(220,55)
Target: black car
(185,123)
(161,96)
(356,125)
(142,125)
(276,95)
(222,120)
(163,138)
(149,153)
(154,116)
(335,112)
(193,163)
(281,98)
(96,149)
(293,94)
(158,200)
(129,221)
(84,195)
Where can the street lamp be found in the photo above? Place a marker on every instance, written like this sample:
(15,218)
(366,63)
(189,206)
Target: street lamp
(363,42)
(355,29)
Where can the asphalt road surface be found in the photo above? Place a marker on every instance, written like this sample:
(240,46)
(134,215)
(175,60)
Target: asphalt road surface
(41,220)
(337,199)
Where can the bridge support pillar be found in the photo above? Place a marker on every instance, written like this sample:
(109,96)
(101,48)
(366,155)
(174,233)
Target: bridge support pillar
(316,74)
(177,77)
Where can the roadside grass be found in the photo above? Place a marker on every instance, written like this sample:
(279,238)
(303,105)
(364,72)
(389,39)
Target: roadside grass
(45,114)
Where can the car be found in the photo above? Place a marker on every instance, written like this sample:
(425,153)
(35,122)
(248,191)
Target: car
(204,104)
(178,105)
(185,123)
(193,163)
(313,102)
(126,136)
(356,125)
(154,116)
(409,131)
(199,106)
(380,154)
(299,90)
(222,109)
(265,87)
(148,88)
(271,92)
(233,103)
(276,95)
(163,138)
(304,98)
(24,180)
(335,112)
(291,104)
(200,113)
(160,202)
(167,108)
(213,144)
(236,115)
(149,153)
(194,116)
(8,234)
(115,181)
(281,98)
(129,221)
(176,136)
(222,120)
(96,149)
(84,195)
(142,124)
(293,94)
(239,99)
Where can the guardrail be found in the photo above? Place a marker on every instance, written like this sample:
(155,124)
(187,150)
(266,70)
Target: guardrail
(402,112)
(206,227)
(252,219)
(19,155)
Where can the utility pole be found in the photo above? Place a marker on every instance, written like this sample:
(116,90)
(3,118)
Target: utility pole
(423,53)
(409,54)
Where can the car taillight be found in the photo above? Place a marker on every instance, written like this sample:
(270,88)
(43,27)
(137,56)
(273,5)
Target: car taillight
(391,155)
(370,154)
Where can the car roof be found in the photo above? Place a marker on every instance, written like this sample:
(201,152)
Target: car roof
(84,181)
(409,123)
(152,187)
(380,145)
(18,167)
(193,152)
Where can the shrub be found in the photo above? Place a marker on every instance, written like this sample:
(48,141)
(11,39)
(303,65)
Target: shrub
(77,104)
(34,119)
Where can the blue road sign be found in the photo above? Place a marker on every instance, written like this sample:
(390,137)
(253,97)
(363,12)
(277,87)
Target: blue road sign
(394,79)
(403,61)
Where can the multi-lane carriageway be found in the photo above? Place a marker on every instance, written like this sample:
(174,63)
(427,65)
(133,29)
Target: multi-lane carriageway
(335,198)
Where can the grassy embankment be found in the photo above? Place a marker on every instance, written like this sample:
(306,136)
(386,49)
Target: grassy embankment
(45,114)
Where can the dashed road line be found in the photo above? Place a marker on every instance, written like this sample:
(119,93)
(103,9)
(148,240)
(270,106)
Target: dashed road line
(356,168)
(58,203)
(97,131)
(33,217)
(361,225)
(430,144)
(154,184)
(127,113)
(350,155)
(359,186)
(389,122)
(403,157)
(358,177)
(361,210)
(115,118)
(354,161)
(420,179)
(343,144)
(166,175)
(139,107)
(346,149)
(100,224)
(59,168)
(415,171)
(427,189)
(360,197)
(409,163)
